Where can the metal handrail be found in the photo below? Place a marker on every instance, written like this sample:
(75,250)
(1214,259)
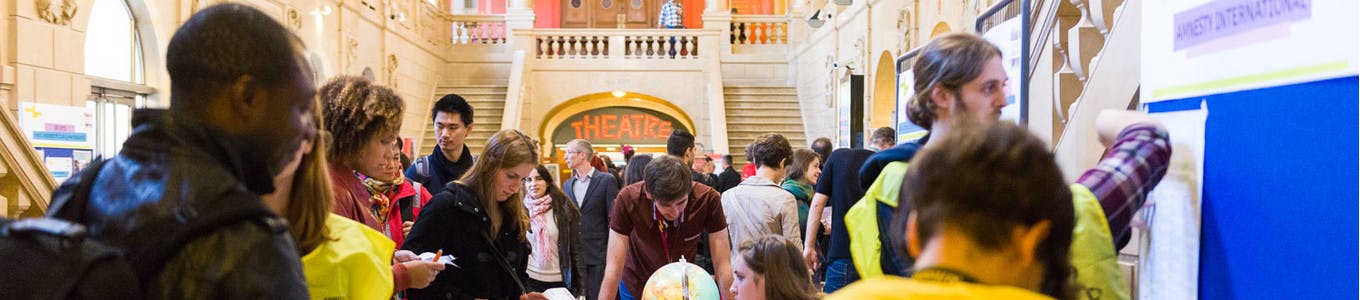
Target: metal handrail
(999,12)
(1044,29)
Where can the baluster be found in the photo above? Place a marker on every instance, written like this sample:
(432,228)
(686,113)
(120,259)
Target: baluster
(461,36)
(742,38)
(604,46)
(783,33)
(555,47)
(686,47)
(501,33)
(635,43)
(733,33)
(653,48)
(538,44)
(594,50)
(694,47)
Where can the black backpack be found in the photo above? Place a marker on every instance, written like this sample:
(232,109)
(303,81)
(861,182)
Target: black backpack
(51,258)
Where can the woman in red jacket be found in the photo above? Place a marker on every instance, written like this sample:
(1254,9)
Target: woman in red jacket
(408,196)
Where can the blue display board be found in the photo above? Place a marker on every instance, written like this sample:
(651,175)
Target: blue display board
(1280,191)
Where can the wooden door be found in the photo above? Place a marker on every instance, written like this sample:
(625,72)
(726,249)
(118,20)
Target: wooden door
(607,13)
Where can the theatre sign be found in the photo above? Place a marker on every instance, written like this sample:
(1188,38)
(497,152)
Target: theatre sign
(617,125)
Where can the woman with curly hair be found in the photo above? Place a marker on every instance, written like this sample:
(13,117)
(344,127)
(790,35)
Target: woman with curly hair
(363,120)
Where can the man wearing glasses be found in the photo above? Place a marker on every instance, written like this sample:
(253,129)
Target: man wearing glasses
(594,192)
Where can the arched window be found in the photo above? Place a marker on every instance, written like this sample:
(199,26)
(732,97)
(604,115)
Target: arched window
(116,69)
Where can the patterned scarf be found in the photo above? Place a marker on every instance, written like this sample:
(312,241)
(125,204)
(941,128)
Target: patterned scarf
(382,205)
(538,220)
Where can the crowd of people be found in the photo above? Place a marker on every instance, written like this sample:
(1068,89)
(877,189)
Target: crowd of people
(976,209)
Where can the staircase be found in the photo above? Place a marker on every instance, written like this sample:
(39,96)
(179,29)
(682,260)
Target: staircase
(1095,58)
(25,186)
(756,110)
(488,104)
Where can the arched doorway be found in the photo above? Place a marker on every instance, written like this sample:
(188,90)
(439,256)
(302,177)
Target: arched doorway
(883,104)
(940,28)
(610,120)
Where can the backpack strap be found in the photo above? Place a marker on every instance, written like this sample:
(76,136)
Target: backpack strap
(422,168)
(415,202)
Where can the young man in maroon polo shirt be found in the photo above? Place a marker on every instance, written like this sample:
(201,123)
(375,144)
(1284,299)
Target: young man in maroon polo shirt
(656,222)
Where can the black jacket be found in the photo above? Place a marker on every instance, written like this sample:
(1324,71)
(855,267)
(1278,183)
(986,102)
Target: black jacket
(175,172)
(434,171)
(595,210)
(456,222)
(728,179)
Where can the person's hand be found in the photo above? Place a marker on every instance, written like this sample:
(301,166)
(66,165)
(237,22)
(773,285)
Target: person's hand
(533,296)
(405,255)
(421,273)
(810,257)
(406,228)
(1110,122)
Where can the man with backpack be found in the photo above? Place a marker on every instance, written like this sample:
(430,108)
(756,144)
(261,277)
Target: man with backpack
(182,199)
(451,157)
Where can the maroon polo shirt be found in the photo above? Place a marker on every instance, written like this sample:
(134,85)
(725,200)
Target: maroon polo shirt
(635,215)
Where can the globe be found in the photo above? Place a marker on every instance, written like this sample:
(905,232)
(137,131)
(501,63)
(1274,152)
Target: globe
(667,283)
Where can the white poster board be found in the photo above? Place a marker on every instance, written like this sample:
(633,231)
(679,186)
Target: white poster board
(62,135)
(1202,47)
(1007,37)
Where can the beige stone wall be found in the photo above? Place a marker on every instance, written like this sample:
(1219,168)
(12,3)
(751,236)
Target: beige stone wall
(44,61)
(857,36)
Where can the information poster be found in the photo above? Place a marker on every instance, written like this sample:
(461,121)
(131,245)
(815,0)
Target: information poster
(843,115)
(1269,86)
(1007,37)
(906,130)
(63,136)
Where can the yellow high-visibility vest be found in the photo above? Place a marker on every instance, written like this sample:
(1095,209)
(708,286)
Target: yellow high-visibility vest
(355,264)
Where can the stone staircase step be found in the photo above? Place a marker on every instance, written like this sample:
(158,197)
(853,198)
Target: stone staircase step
(739,105)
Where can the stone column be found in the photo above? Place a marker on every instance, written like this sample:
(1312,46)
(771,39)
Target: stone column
(458,6)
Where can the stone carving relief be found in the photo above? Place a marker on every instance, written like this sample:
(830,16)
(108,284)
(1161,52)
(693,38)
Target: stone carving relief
(904,25)
(391,71)
(351,52)
(856,63)
(830,86)
(294,19)
(58,12)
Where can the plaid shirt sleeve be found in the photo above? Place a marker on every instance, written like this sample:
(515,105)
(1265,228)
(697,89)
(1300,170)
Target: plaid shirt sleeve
(1131,168)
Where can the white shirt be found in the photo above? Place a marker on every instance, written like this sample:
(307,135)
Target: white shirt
(579,190)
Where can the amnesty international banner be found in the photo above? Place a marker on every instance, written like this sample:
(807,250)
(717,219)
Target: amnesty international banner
(1259,98)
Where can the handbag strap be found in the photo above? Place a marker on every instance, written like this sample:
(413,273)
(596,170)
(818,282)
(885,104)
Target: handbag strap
(505,263)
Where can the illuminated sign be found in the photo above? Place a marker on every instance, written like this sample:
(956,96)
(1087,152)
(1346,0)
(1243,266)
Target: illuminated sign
(617,125)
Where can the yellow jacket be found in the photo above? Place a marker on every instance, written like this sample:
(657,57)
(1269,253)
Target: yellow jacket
(861,220)
(355,264)
(1092,252)
(893,287)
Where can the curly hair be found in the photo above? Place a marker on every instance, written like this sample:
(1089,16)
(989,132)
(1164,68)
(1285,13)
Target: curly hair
(358,111)
(946,62)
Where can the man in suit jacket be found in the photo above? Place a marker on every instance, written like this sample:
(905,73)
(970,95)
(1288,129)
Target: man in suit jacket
(730,177)
(594,192)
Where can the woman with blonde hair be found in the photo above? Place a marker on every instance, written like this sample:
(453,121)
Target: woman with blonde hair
(480,220)
(771,267)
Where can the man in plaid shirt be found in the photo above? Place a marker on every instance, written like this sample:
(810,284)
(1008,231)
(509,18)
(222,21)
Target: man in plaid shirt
(671,16)
(1138,148)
